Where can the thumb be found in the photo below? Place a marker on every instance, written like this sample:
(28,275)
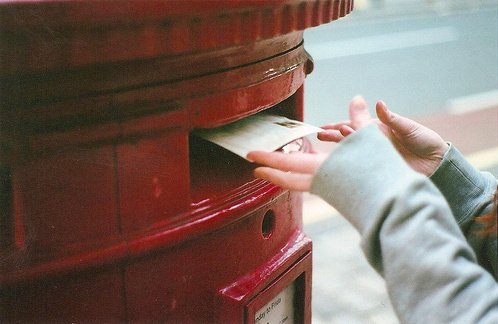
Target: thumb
(358,112)
(399,124)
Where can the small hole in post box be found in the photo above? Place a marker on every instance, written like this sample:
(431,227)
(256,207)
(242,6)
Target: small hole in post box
(268,224)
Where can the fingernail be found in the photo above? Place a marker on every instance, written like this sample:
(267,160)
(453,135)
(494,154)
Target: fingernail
(357,99)
(382,105)
(345,130)
(358,103)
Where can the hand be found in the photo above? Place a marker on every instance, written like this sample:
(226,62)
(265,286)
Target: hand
(295,171)
(292,171)
(359,117)
(421,147)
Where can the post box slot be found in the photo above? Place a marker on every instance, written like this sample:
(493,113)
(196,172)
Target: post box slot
(215,171)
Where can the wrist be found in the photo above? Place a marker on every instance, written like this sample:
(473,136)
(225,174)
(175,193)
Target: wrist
(438,158)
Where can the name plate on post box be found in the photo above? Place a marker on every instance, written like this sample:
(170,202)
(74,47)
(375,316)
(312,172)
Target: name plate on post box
(279,310)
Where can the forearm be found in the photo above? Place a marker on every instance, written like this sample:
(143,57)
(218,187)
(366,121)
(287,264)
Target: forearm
(469,192)
(408,233)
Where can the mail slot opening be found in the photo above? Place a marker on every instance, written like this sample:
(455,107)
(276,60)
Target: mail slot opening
(215,171)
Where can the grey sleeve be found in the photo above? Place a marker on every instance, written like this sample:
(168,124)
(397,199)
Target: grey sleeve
(408,233)
(469,192)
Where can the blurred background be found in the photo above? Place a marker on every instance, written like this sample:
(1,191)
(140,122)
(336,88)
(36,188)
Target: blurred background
(432,60)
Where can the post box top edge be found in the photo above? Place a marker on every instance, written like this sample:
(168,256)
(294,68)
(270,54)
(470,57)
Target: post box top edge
(74,13)
(60,34)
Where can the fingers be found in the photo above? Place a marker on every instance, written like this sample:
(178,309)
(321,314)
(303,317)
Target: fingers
(330,136)
(295,162)
(336,126)
(287,180)
(358,112)
(335,135)
(332,132)
(360,117)
(290,171)
(346,130)
(401,125)
(382,112)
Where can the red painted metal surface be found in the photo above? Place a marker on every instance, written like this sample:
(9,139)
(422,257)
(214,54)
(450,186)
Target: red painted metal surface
(111,210)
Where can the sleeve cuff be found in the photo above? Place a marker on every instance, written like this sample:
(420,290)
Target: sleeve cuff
(462,184)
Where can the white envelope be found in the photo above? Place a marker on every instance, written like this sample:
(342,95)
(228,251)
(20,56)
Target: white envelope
(260,132)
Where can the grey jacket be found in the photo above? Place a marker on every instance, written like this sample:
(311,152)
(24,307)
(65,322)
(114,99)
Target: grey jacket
(436,269)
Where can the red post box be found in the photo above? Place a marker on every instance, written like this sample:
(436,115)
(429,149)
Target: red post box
(111,210)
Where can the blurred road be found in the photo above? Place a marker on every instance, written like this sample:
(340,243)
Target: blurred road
(437,64)
(415,63)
